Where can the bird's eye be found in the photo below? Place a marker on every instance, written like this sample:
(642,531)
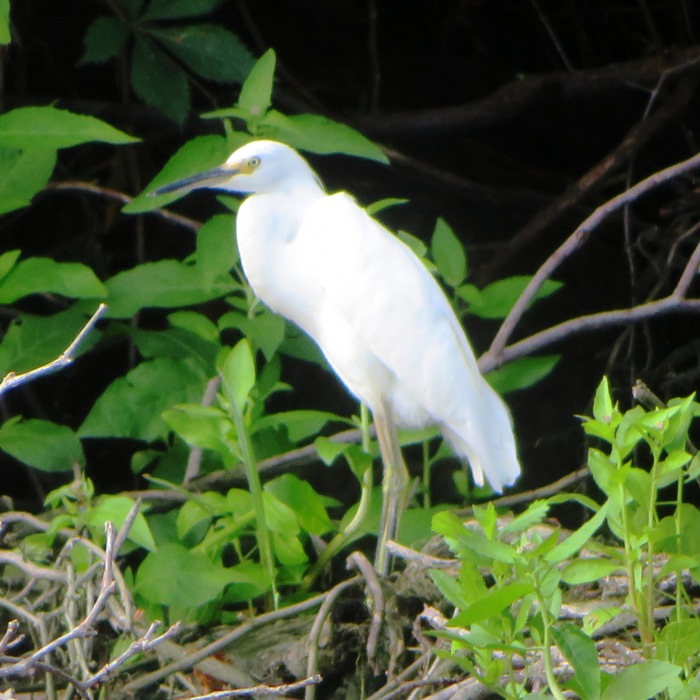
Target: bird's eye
(253,162)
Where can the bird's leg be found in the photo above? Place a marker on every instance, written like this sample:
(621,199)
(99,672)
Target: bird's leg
(394,485)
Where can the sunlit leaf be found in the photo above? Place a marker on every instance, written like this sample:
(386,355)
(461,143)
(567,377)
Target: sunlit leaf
(642,680)
(164,283)
(256,93)
(580,651)
(115,510)
(318,134)
(23,173)
(36,275)
(521,373)
(238,373)
(41,444)
(448,254)
(52,128)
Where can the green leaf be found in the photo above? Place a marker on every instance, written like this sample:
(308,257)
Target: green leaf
(602,469)
(279,517)
(678,641)
(178,9)
(209,50)
(131,406)
(288,549)
(8,261)
(193,516)
(642,680)
(177,577)
(303,500)
(580,651)
(31,341)
(328,450)
(448,254)
(318,134)
(104,39)
(586,570)
(201,426)
(577,539)
(238,373)
(256,92)
(41,444)
(159,81)
(248,580)
(5,22)
(162,284)
(52,128)
(194,323)
(217,252)
(496,299)
(450,588)
(491,604)
(299,424)
(449,526)
(602,402)
(35,275)
(265,330)
(522,373)
(196,156)
(386,203)
(23,173)
(115,510)
(175,342)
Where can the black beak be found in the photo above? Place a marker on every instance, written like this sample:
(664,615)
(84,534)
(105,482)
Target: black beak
(209,178)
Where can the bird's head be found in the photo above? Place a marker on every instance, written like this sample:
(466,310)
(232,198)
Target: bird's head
(256,168)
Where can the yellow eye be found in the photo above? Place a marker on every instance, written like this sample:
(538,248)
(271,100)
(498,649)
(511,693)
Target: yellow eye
(253,162)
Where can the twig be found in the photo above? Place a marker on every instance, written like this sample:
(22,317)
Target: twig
(359,561)
(188,659)
(315,633)
(574,326)
(426,561)
(84,629)
(11,636)
(194,460)
(396,682)
(640,134)
(262,689)
(138,646)
(512,99)
(31,570)
(109,193)
(495,355)
(12,380)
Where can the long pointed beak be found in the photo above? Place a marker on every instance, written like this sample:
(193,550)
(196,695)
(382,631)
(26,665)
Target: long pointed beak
(209,178)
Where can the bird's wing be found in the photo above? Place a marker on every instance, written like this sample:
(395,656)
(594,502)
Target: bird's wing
(376,288)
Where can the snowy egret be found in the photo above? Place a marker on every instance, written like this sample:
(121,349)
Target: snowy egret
(375,311)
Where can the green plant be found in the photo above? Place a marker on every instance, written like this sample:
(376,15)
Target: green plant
(533,568)
(163,47)
(160,401)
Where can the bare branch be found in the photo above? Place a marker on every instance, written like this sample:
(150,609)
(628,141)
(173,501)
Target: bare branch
(496,355)
(12,380)
(109,193)
(262,689)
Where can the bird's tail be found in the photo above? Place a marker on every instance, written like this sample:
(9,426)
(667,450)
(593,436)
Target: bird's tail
(487,442)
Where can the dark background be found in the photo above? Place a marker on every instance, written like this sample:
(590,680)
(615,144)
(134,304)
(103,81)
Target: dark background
(512,119)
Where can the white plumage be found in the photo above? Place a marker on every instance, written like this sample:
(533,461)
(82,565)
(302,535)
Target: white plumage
(378,315)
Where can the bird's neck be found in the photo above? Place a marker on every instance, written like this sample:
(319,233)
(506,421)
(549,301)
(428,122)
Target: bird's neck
(294,200)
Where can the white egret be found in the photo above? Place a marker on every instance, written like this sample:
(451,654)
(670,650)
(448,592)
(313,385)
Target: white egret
(375,311)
